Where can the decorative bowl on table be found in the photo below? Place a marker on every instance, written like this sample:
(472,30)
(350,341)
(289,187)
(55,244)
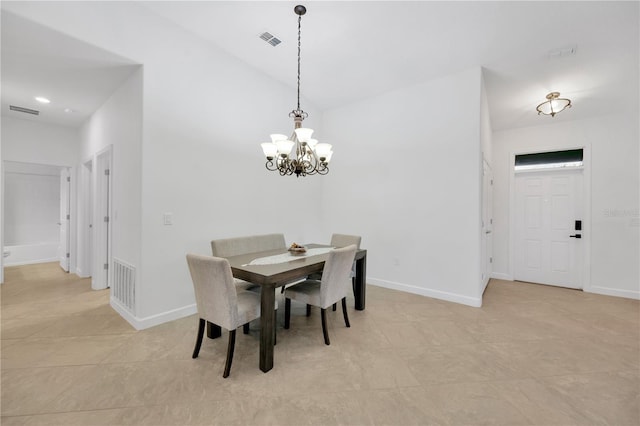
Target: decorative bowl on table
(297,250)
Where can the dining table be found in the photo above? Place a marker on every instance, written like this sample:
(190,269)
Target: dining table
(275,268)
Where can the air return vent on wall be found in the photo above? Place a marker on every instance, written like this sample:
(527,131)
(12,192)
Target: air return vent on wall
(123,286)
(25,110)
(269,38)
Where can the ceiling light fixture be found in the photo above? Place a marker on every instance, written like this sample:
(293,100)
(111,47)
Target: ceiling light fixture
(553,105)
(42,100)
(299,154)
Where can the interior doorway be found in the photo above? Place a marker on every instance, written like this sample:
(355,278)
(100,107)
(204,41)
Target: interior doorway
(37,215)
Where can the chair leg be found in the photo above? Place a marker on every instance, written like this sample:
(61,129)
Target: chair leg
(308,310)
(275,328)
(323,313)
(344,312)
(232,344)
(287,313)
(245,328)
(334,307)
(196,350)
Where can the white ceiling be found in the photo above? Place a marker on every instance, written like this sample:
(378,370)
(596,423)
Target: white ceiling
(37,61)
(354,50)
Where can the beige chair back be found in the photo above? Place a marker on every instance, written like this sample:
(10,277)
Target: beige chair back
(343,240)
(242,245)
(336,276)
(216,296)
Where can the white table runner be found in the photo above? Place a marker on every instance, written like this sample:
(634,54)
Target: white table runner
(288,257)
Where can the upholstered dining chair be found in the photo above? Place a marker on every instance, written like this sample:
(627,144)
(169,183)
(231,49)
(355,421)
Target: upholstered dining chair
(341,240)
(228,247)
(332,287)
(219,302)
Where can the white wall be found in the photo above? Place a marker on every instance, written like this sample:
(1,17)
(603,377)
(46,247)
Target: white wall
(612,144)
(407,177)
(28,141)
(118,124)
(32,142)
(32,206)
(205,114)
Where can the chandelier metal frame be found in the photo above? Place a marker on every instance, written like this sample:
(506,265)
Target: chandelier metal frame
(309,157)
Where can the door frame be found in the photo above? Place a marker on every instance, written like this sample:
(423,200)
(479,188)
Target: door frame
(102,234)
(66,245)
(586,199)
(487,223)
(86,189)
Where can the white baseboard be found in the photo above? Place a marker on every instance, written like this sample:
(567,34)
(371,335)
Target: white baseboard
(153,320)
(501,276)
(31,262)
(628,294)
(436,294)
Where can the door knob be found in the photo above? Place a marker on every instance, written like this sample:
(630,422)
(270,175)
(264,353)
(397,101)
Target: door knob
(575,236)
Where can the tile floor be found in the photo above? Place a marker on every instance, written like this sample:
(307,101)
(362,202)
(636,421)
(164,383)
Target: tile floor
(532,355)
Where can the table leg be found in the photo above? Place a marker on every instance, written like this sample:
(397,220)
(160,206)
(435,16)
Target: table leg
(267,323)
(213,331)
(360,283)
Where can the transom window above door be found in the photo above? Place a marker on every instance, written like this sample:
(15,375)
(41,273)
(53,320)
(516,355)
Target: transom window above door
(549,160)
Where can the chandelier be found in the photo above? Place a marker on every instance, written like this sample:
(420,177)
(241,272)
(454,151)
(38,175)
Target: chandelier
(553,105)
(299,154)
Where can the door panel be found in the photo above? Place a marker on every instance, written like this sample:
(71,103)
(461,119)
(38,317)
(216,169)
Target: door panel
(547,205)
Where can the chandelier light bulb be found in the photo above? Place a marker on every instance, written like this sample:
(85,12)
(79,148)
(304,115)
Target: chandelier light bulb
(269,149)
(328,158)
(278,137)
(323,149)
(304,134)
(284,147)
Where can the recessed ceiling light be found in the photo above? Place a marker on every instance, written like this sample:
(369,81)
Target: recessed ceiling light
(42,100)
(68,110)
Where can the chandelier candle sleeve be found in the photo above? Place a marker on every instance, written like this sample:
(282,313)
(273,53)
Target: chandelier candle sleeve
(300,154)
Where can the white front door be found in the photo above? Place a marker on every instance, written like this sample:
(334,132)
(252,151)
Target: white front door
(548,248)
(65,191)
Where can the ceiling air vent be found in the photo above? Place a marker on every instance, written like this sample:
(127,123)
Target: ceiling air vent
(25,110)
(562,52)
(269,38)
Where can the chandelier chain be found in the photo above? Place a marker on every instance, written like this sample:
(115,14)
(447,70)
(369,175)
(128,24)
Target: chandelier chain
(299,20)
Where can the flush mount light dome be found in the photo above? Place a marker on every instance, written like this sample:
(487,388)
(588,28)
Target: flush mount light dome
(42,100)
(553,105)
